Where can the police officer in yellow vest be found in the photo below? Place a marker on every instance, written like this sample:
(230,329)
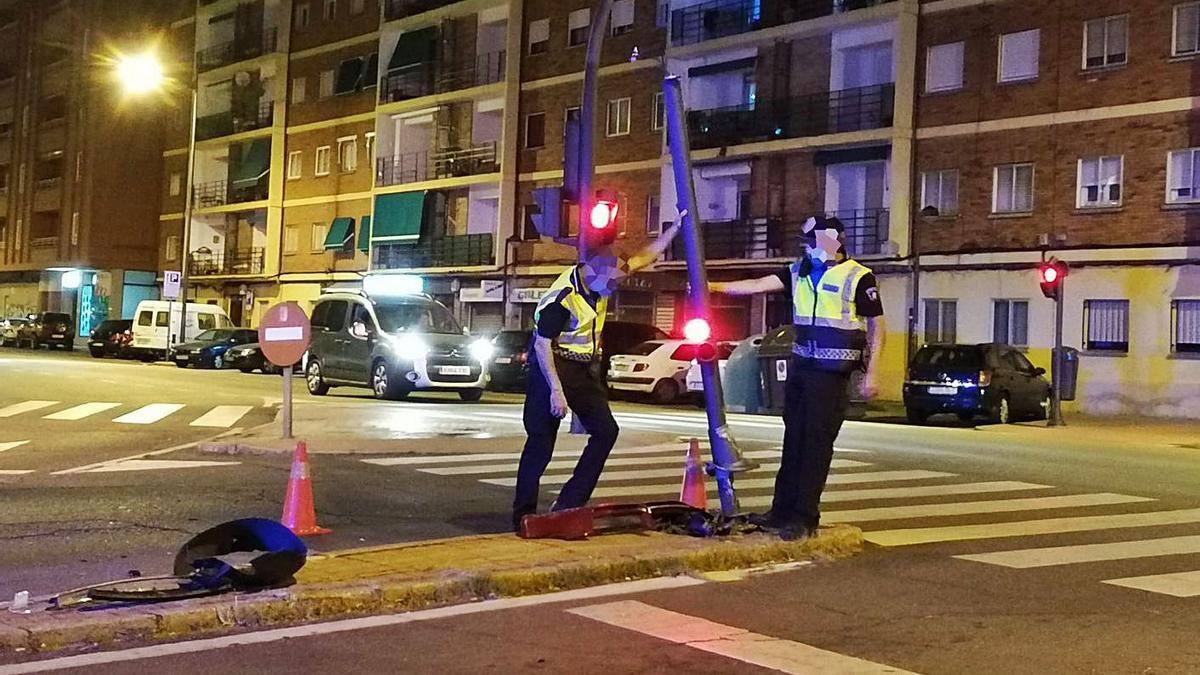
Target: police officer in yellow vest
(564,372)
(839,326)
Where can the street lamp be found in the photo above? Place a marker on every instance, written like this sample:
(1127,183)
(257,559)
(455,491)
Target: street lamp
(141,74)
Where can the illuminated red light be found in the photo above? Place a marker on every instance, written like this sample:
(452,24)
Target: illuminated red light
(697,330)
(603,214)
(1050,274)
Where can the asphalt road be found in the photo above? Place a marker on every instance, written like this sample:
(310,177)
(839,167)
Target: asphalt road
(992,550)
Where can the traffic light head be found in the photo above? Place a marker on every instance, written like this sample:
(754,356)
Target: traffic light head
(601,226)
(1050,277)
(547,216)
(697,330)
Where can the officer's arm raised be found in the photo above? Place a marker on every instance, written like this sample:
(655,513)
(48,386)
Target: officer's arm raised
(768,284)
(654,250)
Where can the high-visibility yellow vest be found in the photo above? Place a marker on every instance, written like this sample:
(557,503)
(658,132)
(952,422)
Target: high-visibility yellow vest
(580,338)
(830,335)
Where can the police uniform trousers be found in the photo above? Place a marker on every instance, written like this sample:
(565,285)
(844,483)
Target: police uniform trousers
(814,408)
(587,397)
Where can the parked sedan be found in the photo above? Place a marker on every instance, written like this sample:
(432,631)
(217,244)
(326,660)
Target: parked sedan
(209,348)
(50,329)
(108,339)
(656,367)
(9,329)
(992,380)
(249,358)
(509,367)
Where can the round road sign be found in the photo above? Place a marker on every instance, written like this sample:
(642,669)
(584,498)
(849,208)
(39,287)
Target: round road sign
(284,333)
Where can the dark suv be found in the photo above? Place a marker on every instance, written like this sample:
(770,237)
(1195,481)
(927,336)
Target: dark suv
(992,380)
(50,329)
(393,344)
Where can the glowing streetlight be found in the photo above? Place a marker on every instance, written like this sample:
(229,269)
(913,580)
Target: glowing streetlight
(140,73)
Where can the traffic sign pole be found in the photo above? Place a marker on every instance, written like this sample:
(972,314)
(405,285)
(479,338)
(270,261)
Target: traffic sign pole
(287,402)
(284,336)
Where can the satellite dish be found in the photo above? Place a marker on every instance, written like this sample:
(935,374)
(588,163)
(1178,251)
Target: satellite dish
(242,79)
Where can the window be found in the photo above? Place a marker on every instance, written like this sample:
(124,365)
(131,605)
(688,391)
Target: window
(1185,322)
(295,165)
(348,154)
(330,9)
(349,76)
(319,232)
(322,166)
(944,67)
(1106,325)
(571,115)
(171,254)
(326,88)
(941,321)
(176,184)
(622,17)
(299,89)
(1012,189)
(939,189)
(145,318)
(1099,182)
(1187,30)
(539,36)
(160,319)
(1010,322)
(369,147)
(577,27)
(357,7)
(662,14)
(302,15)
(1183,176)
(659,120)
(535,130)
(291,239)
(1019,56)
(618,117)
(206,321)
(528,229)
(1105,42)
(653,216)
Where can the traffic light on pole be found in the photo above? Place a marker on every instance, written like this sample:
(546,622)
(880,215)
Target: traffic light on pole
(547,217)
(601,226)
(1050,275)
(698,332)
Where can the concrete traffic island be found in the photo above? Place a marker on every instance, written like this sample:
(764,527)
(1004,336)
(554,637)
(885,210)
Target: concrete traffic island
(414,576)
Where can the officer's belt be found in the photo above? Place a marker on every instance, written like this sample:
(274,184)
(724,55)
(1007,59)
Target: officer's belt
(810,351)
(575,356)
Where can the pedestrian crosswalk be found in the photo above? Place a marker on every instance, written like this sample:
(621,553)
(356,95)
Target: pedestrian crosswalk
(898,507)
(221,416)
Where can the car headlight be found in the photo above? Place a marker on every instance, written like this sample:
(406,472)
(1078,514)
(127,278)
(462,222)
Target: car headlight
(482,350)
(410,347)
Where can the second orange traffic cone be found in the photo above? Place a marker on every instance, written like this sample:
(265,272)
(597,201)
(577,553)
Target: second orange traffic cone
(299,515)
(694,493)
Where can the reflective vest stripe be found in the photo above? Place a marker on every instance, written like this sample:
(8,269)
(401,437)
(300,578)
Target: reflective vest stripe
(580,337)
(829,331)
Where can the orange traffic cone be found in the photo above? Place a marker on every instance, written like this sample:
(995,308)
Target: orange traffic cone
(299,516)
(694,493)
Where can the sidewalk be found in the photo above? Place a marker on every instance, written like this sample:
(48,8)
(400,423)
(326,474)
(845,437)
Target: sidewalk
(408,577)
(1122,431)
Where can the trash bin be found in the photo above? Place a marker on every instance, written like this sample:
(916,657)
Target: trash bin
(773,359)
(1070,372)
(742,379)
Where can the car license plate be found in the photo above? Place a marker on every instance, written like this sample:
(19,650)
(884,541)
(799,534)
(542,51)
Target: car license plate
(503,360)
(57,336)
(620,367)
(454,370)
(695,386)
(943,391)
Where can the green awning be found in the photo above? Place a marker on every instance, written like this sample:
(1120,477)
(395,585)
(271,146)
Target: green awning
(414,47)
(341,232)
(398,216)
(254,163)
(364,233)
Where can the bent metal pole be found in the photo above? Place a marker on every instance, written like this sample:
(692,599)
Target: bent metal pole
(727,457)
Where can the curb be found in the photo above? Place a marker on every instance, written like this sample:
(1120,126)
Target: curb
(48,632)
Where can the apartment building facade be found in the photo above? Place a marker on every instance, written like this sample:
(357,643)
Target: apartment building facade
(78,221)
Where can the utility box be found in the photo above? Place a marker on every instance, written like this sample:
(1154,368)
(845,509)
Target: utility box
(1069,377)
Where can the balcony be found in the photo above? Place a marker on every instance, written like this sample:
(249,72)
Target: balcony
(831,112)
(242,262)
(414,167)
(722,18)
(228,123)
(471,250)
(398,9)
(242,49)
(424,79)
(222,192)
(866,235)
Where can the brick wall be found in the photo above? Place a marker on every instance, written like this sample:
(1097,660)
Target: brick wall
(344,24)
(561,59)
(338,181)
(305,258)
(316,109)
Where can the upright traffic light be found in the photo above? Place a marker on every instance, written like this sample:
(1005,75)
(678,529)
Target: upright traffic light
(547,217)
(1050,275)
(600,229)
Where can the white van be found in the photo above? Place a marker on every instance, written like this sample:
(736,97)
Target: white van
(154,332)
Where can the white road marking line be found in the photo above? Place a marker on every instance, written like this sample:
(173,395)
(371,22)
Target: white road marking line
(81,411)
(222,416)
(24,407)
(731,642)
(16,472)
(149,414)
(11,445)
(155,465)
(1178,584)
(971,508)
(155,453)
(929,535)
(499,456)
(346,625)
(755,483)
(1086,553)
(908,492)
(675,460)
(635,474)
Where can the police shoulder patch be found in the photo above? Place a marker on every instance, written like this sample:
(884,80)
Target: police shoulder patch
(873,293)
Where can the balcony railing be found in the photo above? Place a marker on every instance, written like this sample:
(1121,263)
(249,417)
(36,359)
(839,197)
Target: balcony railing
(248,261)
(866,234)
(413,167)
(831,112)
(44,242)
(398,9)
(47,183)
(471,250)
(222,192)
(424,79)
(240,49)
(228,122)
(721,18)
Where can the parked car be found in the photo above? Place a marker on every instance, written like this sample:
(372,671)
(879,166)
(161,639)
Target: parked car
(157,325)
(394,344)
(694,383)
(992,380)
(108,339)
(509,367)
(9,329)
(50,329)
(656,367)
(209,348)
(621,336)
(249,358)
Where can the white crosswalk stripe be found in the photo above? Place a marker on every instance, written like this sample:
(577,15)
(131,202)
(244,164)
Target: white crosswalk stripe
(149,414)
(1178,584)
(674,461)
(871,494)
(929,535)
(11,444)
(223,416)
(1086,553)
(24,407)
(81,411)
(968,508)
(154,465)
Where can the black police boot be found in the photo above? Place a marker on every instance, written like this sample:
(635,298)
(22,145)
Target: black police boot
(796,532)
(769,520)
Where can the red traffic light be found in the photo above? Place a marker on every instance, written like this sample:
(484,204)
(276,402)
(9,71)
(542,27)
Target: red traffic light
(1049,274)
(604,214)
(697,330)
